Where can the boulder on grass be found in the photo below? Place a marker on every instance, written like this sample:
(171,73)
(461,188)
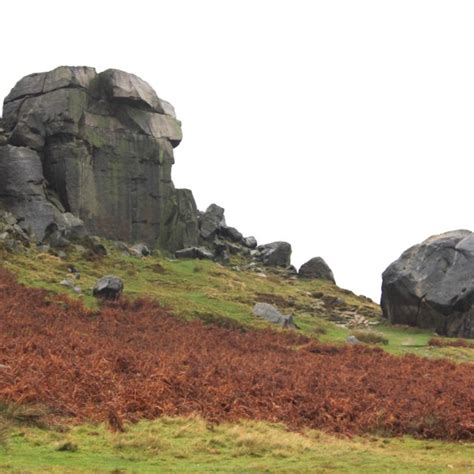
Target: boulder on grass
(316,268)
(109,287)
(431,285)
(271,314)
(140,250)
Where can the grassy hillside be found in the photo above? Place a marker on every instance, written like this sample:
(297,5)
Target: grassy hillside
(41,438)
(193,445)
(225,295)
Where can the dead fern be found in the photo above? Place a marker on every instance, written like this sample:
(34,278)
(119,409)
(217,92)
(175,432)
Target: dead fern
(145,363)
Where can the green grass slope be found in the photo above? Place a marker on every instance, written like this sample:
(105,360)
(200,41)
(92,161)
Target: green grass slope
(192,445)
(224,295)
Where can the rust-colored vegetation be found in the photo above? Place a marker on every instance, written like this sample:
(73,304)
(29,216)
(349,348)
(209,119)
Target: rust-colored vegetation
(439,342)
(133,360)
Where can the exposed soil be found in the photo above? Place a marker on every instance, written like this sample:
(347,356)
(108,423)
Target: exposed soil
(133,360)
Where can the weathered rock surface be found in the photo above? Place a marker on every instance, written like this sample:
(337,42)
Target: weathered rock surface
(231,233)
(22,189)
(275,254)
(109,287)
(250,242)
(106,145)
(85,155)
(211,221)
(271,314)
(12,236)
(432,285)
(316,268)
(140,250)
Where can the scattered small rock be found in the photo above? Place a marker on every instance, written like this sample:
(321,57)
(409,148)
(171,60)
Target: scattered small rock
(357,321)
(271,314)
(67,283)
(352,340)
(140,250)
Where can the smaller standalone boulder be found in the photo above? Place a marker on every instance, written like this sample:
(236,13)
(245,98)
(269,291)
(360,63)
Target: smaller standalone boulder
(316,268)
(195,252)
(352,340)
(275,254)
(250,242)
(109,287)
(271,314)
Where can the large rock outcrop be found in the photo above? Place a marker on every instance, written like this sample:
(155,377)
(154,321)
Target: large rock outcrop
(432,285)
(99,146)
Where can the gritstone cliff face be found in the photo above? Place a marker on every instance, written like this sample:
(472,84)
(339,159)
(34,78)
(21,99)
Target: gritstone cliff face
(90,154)
(100,147)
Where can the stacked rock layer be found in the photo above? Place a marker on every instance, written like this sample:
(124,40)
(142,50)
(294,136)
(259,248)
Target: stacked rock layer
(99,146)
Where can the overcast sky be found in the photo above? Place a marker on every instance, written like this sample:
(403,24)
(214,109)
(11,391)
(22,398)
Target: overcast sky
(343,127)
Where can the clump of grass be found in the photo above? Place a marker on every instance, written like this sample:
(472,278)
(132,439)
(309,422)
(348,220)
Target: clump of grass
(319,330)
(67,446)
(22,415)
(4,432)
(370,337)
(258,439)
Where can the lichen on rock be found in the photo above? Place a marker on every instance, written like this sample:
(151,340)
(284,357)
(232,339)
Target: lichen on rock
(103,144)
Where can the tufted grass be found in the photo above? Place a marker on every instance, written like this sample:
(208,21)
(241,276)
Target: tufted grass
(192,445)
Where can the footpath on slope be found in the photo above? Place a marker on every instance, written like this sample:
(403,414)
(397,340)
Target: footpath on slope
(134,360)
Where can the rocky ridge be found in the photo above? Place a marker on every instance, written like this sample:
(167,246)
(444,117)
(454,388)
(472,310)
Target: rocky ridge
(86,154)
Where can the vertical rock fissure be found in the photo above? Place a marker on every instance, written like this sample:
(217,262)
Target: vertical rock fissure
(106,143)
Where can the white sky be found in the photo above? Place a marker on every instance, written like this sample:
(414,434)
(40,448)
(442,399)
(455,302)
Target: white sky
(343,127)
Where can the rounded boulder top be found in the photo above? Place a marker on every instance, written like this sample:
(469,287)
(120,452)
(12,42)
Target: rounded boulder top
(431,285)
